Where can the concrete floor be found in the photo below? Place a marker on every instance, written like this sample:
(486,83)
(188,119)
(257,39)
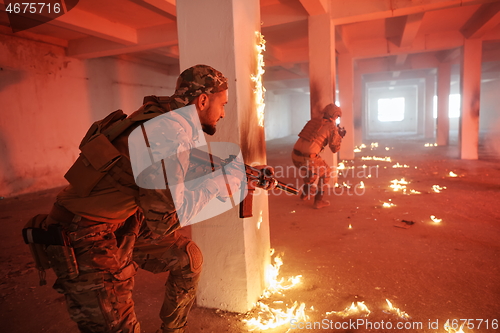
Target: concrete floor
(432,271)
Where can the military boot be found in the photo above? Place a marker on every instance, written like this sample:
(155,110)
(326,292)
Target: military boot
(319,202)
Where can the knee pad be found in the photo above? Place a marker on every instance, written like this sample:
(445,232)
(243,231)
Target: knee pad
(195,257)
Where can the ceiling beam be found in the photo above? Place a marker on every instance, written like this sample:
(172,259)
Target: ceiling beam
(340,41)
(97,26)
(148,39)
(448,55)
(410,30)
(483,20)
(277,14)
(165,8)
(315,7)
(344,12)
(401,59)
(379,47)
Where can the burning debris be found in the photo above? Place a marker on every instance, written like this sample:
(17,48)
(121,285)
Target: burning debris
(397,165)
(396,311)
(356,309)
(268,316)
(388,205)
(375,158)
(435,219)
(361,184)
(450,329)
(437,188)
(452,174)
(398,184)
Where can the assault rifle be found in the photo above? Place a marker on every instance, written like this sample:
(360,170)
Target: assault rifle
(263,178)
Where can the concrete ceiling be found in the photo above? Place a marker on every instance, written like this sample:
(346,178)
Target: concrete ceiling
(383,36)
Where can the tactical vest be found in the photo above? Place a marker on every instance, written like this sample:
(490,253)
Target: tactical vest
(98,160)
(311,132)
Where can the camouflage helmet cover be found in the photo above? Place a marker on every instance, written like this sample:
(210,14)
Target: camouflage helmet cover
(332,111)
(197,80)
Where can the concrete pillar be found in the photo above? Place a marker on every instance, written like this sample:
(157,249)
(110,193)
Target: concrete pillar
(470,87)
(222,34)
(443,104)
(430,124)
(322,71)
(358,111)
(346,88)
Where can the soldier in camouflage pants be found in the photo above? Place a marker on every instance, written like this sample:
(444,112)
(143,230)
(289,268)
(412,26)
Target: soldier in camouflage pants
(115,226)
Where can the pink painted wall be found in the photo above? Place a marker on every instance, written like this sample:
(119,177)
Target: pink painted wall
(48,101)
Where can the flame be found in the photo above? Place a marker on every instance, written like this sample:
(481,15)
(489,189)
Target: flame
(452,174)
(341,166)
(356,308)
(435,219)
(397,165)
(399,184)
(388,204)
(268,316)
(361,184)
(397,312)
(358,149)
(437,188)
(259,89)
(412,192)
(450,329)
(374,145)
(375,158)
(350,226)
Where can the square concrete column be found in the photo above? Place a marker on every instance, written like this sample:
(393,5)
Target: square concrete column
(322,71)
(346,88)
(222,34)
(470,88)
(443,104)
(358,108)
(430,124)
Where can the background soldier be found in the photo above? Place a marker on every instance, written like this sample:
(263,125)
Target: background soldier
(113,226)
(316,134)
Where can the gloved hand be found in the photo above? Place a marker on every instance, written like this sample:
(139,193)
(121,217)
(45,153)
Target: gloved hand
(267,180)
(233,182)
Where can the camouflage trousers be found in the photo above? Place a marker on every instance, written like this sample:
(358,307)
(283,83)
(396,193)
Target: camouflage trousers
(108,256)
(312,168)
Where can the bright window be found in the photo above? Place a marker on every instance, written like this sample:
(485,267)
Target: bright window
(453,106)
(391,109)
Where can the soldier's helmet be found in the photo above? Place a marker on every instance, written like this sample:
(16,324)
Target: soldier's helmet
(197,80)
(332,111)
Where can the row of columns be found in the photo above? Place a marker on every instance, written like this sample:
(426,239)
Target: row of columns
(351,101)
